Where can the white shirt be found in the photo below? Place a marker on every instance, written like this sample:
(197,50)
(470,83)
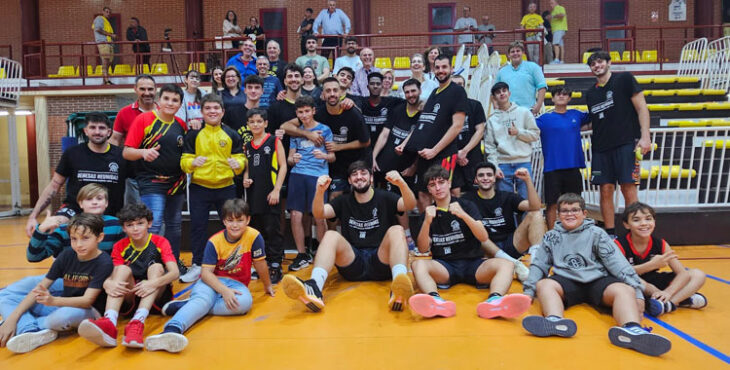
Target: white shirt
(465,23)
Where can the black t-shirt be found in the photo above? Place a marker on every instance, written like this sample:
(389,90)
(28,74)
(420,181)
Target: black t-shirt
(235,115)
(346,127)
(656,247)
(615,121)
(376,116)
(498,213)
(436,119)
(263,169)
(451,237)
(304,24)
(364,224)
(81,166)
(243,131)
(279,112)
(277,70)
(474,116)
(79,275)
(400,125)
(256,31)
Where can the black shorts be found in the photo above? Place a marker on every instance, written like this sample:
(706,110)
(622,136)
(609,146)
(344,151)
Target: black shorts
(448,163)
(464,175)
(410,181)
(65,211)
(661,280)
(339,184)
(462,270)
(508,246)
(128,308)
(365,267)
(617,165)
(576,292)
(559,182)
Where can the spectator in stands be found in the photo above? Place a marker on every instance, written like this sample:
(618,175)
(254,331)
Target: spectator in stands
(94,162)
(305,29)
(417,73)
(216,84)
(136,32)
(388,90)
(466,24)
(333,21)
(350,59)
(319,63)
(486,37)
(189,111)
(231,28)
(245,61)
(429,56)
(272,86)
(311,85)
(619,117)
(360,83)
(103,36)
(234,99)
(255,32)
(559,25)
(276,64)
(548,49)
(525,76)
(531,21)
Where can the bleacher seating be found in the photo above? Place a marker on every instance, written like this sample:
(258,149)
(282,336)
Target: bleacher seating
(383,62)
(123,70)
(402,63)
(159,69)
(200,67)
(66,71)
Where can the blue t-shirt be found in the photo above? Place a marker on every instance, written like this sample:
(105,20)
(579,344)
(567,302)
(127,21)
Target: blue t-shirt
(309,165)
(560,136)
(272,86)
(523,81)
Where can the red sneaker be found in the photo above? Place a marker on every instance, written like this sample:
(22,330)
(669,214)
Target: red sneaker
(100,332)
(133,333)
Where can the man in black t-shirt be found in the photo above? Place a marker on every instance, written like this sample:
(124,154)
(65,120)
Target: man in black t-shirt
(620,118)
(372,245)
(434,138)
(469,140)
(375,107)
(94,162)
(453,232)
(499,210)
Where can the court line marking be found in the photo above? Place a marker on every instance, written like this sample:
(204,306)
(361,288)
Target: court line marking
(714,352)
(718,279)
(12,245)
(183,291)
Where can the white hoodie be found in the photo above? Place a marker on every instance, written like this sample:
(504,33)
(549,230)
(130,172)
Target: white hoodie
(500,146)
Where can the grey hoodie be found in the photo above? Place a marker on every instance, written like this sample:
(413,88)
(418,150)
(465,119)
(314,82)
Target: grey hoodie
(500,146)
(584,254)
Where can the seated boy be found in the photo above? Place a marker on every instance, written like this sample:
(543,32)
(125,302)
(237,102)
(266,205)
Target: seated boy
(38,318)
(223,286)
(587,268)
(665,291)
(453,231)
(144,268)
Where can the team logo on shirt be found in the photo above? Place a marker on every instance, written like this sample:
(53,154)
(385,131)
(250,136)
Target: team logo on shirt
(222,143)
(233,260)
(455,225)
(375,212)
(113,167)
(180,141)
(436,108)
(267,150)
(575,261)
(498,212)
(343,131)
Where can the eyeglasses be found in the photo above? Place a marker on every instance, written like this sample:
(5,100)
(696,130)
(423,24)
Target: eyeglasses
(574,211)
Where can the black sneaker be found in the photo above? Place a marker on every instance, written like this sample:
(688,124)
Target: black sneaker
(639,339)
(181,267)
(305,291)
(301,261)
(275,273)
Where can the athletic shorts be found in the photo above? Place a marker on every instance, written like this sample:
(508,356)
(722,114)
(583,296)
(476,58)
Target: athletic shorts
(661,280)
(65,211)
(128,308)
(410,181)
(449,163)
(339,184)
(365,267)
(559,182)
(106,51)
(301,193)
(508,246)
(575,292)
(558,38)
(462,270)
(465,176)
(617,165)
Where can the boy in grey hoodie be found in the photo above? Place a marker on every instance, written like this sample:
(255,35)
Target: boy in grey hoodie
(508,138)
(587,268)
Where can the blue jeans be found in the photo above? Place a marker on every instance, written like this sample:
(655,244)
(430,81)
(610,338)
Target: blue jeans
(131,191)
(13,294)
(510,182)
(202,199)
(167,209)
(206,301)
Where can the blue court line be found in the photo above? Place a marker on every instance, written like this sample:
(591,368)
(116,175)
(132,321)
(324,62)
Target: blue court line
(183,291)
(718,279)
(719,355)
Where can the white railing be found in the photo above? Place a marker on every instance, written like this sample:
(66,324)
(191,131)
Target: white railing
(693,59)
(717,69)
(10,79)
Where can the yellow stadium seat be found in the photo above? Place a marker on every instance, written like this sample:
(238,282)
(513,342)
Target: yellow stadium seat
(200,67)
(713,92)
(66,71)
(330,63)
(717,105)
(583,108)
(395,87)
(720,123)
(453,61)
(502,59)
(576,95)
(615,57)
(674,172)
(690,54)
(689,92)
(644,80)
(664,80)
(401,63)
(524,56)
(662,107)
(551,83)
(719,144)
(2,72)
(122,70)
(474,61)
(668,92)
(159,69)
(548,95)
(142,68)
(586,55)
(688,79)
(626,56)
(690,106)
(93,71)
(688,124)
(649,56)
(383,62)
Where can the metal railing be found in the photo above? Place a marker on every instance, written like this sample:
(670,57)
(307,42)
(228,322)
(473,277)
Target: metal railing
(11,73)
(717,69)
(693,59)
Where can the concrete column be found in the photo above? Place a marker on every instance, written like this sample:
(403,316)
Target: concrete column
(40,105)
(30,31)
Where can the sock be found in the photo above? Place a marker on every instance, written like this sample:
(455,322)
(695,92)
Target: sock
(141,314)
(554,318)
(501,254)
(632,324)
(408,233)
(171,329)
(434,294)
(611,231)
(399,269)
(319,275)
(112,316)
(669,307)
(493,296)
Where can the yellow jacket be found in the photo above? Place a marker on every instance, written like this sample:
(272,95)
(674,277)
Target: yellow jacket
(217,144)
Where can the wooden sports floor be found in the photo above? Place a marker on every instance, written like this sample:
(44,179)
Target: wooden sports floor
(356,331)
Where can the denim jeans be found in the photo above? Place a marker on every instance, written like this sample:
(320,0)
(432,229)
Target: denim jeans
(202,199)
(206,301)
(167,209)
(509,182)
(131,191)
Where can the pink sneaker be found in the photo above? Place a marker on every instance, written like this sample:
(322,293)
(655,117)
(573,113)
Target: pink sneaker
(509,306)
(430,306)
(100,332)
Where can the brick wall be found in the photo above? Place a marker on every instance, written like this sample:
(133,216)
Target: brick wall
(10,28)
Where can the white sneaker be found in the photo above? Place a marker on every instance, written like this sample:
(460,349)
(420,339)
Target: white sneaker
(521,271)
(192,274)
(27,342)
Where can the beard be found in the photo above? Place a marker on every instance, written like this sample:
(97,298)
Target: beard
(443,80)
(363,189)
